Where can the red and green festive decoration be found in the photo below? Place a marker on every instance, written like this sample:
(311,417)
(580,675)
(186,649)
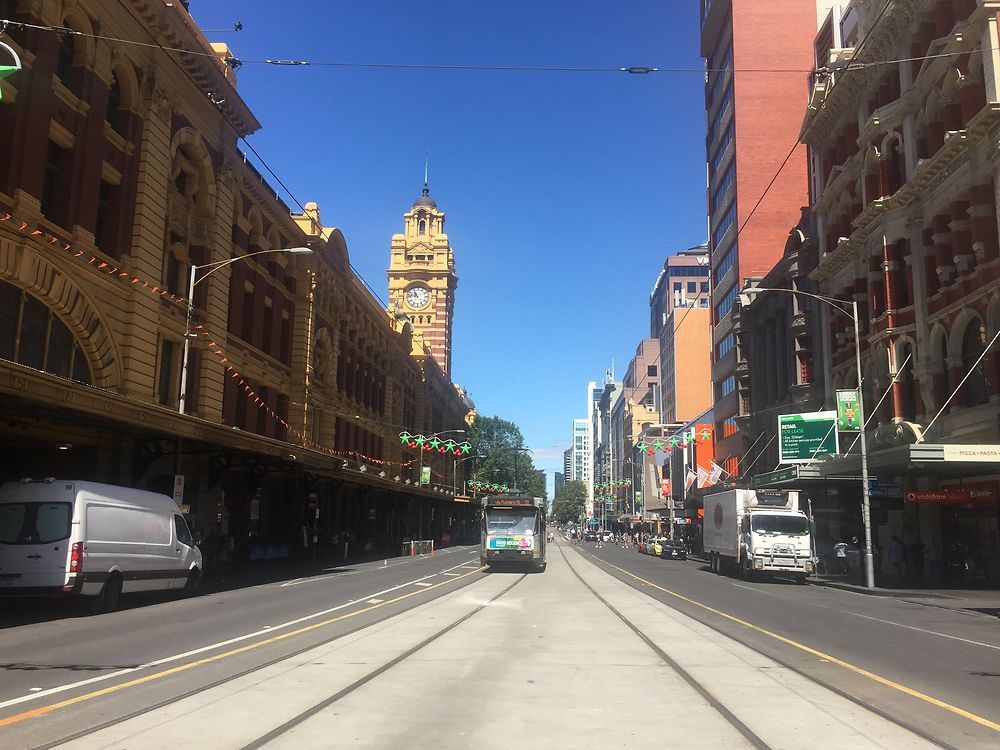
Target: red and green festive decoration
(680,440)
(477,486)
(608,487)
(433,443)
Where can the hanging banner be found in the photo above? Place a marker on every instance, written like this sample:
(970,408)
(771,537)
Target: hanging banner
(425,475)
(804,437)
(848,411)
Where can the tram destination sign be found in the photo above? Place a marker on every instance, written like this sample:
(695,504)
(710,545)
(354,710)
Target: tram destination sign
(512,501)
(802,438)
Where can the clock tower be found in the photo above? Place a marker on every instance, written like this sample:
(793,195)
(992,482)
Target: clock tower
(422,278)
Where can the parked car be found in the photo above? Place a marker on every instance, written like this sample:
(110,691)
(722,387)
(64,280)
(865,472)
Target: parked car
(672,550)
(591,536)
(72,537)
(606,536)
(653,546)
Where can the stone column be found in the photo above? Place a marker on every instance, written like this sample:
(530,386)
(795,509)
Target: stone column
(961,240)
(146,250)
(983,223)
(943,254)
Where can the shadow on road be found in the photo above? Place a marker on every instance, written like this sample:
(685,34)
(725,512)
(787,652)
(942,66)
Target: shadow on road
(20,611)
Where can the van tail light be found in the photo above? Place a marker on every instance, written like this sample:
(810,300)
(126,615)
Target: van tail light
(76,558)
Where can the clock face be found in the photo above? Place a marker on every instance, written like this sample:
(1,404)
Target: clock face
(417,297)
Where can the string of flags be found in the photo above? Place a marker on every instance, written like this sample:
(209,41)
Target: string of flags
(125,277)
(432,443)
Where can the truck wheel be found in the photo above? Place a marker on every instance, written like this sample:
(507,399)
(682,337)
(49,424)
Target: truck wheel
(111,592)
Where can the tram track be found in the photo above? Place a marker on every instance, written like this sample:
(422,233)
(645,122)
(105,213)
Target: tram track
(295,721)
(748,734)
(259,667)
(787,664)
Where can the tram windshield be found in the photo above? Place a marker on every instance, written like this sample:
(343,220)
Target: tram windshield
(510,522)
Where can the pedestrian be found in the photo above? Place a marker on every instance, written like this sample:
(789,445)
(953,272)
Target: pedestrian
(896,557)
(931,564)
(840,554)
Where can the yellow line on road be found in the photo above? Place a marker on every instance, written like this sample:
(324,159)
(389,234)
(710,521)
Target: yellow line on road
(827,657)
(42,710)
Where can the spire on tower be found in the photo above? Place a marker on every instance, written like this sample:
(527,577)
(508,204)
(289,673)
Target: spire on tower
(427,159)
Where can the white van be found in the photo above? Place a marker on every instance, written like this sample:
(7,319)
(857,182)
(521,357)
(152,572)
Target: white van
(73,537)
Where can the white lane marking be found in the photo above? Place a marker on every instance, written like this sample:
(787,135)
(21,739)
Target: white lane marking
(34,690)
(210,647)
(422,583)
(374,601)
(922,630)
(355,571)
(451,574)
(877,619)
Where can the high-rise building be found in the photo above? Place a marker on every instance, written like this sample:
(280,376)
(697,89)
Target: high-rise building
(422,277)
(683,282)
(558,482)
(685,364)
(580,470)
(753,116)
(568,464)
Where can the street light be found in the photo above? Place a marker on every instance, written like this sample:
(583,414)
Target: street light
(190,305)
(431,437)
(837,304)
(454,471)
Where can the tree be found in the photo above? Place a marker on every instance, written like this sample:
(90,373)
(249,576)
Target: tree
(505,459)
(570,503)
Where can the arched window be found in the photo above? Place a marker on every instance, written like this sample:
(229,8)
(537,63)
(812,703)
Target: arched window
(902,296)
(30,333)
(973,343)
(64,63)
(908,391)
(895,167)
(422,226)
(115,116)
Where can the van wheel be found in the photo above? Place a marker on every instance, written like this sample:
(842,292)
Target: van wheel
(192,586)
(111,592)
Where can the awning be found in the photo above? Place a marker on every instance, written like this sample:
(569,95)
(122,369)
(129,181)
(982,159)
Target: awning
(934,459)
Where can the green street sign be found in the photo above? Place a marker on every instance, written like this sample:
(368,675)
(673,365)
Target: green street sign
(425,475)
(803,438)
(769,478)
(848,411)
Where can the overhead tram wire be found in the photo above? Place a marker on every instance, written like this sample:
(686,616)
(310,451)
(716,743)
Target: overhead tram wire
(236,62)
(240,136)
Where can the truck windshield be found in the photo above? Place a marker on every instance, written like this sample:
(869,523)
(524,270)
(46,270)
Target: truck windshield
(510,522)
(775,524)
(34,523)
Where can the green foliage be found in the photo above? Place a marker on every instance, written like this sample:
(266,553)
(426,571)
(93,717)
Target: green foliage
(496,439)
(570,503)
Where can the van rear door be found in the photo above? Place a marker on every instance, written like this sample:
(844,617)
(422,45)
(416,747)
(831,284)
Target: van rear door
(34,545)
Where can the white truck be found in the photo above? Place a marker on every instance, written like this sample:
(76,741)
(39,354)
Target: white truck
(760,532)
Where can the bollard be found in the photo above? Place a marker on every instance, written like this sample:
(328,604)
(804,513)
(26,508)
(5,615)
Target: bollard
(432,548)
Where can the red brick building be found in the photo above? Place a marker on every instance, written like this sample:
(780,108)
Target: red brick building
(753,105)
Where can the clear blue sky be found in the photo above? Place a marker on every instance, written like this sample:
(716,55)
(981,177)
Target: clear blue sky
(564,192)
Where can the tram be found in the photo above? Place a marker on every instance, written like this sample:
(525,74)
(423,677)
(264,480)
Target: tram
(513,531)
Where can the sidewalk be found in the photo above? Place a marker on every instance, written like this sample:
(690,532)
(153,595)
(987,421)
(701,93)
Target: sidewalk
(985,601)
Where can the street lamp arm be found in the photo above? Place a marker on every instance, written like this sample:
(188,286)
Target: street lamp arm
(213,267)
(832,301)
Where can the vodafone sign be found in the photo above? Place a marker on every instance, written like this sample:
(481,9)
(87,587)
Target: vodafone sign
(982,493)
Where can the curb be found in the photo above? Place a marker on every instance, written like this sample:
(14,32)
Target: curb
(891,593)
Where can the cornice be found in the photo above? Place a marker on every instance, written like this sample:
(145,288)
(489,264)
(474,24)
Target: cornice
(172,26)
